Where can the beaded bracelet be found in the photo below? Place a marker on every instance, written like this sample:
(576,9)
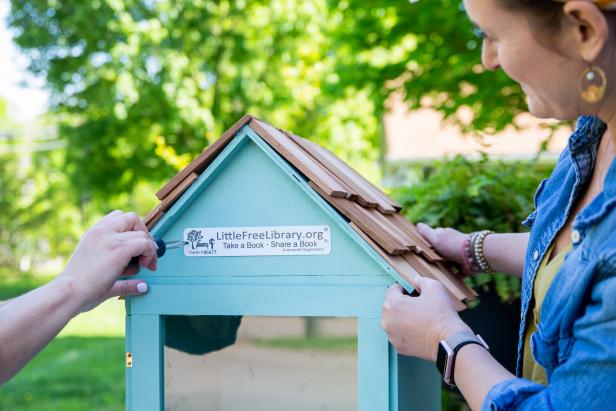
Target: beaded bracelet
(467,252)
(473,252)
(478,251)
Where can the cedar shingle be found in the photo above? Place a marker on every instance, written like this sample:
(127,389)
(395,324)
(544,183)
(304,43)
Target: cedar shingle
(364,218)
(410,230)
(406,270)
(457,287)
(368,195)
(301,160)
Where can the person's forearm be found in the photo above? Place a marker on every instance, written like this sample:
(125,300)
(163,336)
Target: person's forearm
(476,372)
(31,321)
(505,252)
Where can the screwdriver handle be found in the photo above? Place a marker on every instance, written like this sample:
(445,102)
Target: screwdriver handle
(162,248)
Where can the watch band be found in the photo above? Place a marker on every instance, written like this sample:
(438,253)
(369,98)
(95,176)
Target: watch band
(455,343)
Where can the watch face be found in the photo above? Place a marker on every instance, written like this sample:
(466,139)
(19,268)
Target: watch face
(444,358)
(441,359)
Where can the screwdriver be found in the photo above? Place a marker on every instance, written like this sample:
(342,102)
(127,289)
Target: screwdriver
(161,249)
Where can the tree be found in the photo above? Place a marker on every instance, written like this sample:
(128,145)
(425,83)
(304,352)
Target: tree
(37,222)
(427,51)
(141,87)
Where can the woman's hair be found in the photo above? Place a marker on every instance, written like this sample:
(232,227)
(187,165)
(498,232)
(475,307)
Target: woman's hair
(547,12)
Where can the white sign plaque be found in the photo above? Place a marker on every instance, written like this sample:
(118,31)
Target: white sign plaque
(254,241)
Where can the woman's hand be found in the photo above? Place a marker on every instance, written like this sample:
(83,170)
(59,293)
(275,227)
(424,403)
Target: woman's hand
(415,325)
(103,255)
(448,244)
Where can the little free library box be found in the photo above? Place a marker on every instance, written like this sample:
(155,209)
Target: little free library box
(277,226)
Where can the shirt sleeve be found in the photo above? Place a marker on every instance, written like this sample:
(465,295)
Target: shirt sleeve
(586,378)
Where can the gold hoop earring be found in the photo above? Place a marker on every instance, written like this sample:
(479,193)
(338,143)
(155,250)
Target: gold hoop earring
(592,84)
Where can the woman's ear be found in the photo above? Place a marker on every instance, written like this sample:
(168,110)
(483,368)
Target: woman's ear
(589,28)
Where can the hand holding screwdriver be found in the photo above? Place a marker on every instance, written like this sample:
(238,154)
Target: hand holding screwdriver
(161,249)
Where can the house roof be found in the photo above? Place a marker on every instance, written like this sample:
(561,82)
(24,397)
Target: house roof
(370,212)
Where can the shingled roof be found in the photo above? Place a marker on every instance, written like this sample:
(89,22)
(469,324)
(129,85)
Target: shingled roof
(374,215)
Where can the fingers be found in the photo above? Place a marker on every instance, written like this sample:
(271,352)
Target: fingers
(393,293)
(123,288)
(145,248)
(416,282)
(130,235)
(109,216)
(427,232)
(126,222)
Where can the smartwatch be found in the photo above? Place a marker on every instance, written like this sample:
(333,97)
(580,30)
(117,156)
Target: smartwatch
(448,349)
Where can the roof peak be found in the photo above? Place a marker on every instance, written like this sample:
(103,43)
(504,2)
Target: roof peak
(373,214)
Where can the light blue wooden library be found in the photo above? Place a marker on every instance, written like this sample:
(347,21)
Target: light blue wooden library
(251,185)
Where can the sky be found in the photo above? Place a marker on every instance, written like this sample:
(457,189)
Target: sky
(25,101)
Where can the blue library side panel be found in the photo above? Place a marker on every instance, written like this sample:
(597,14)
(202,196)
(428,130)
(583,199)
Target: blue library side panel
(248,186)
(373,363)
(419,385)
(128,370)
(145,379)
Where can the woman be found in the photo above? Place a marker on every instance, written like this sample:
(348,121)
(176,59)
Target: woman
(29,322)
(562,53)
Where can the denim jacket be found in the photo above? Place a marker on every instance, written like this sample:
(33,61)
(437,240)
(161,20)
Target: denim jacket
(576,337)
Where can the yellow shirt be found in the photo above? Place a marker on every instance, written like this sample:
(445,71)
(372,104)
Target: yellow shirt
(545,275)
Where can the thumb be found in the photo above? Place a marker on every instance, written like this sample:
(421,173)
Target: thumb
(122,288)
(417,282)
(426,232)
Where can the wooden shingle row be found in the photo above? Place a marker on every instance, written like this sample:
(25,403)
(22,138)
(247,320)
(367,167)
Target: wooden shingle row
(373,214)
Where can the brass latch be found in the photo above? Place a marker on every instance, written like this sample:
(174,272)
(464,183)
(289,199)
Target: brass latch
(129,360)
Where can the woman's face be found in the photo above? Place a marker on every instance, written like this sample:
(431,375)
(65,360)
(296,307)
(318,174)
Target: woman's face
(548,78)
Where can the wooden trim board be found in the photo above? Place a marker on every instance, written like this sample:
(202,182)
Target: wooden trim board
(177,192)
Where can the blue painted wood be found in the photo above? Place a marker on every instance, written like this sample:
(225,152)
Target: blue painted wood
(249,184)
(249,189)
(373,365)
(237,177)
(146,377)
(128,371)
(420,385)
(393,379)
(350,301)
(274,280)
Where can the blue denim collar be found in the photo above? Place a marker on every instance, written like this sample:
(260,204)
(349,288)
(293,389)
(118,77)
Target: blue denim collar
(583,146)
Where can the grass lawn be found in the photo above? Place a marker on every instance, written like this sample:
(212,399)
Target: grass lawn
(82,369)
(71,374)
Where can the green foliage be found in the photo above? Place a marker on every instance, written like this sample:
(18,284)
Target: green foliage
(37,221)
(141,87)
(476,195)
(71,374)
(10,192)
(426,50)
